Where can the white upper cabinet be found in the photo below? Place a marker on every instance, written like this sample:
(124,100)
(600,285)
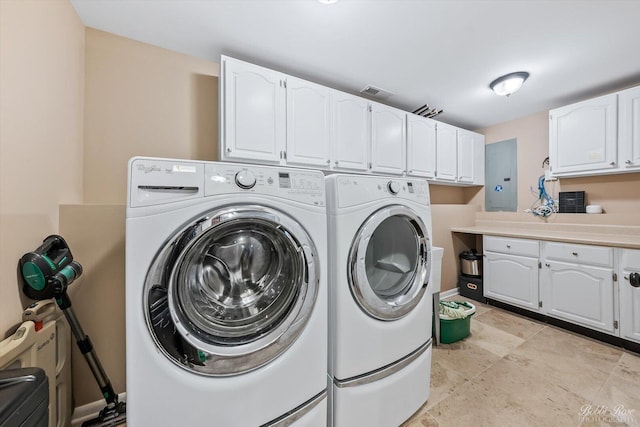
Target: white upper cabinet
(446,152)
(273,118)
(421,146)
(308,123)
(351,132)
(470,157)
(253,116)
(583,136)
(629,128)
(388,139)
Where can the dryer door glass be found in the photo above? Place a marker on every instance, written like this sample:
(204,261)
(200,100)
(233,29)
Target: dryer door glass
(389,263)
(237,287)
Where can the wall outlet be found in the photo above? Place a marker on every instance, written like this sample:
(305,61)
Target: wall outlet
(548,177)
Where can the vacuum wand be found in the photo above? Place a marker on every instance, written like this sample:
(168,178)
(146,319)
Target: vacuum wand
(47,272)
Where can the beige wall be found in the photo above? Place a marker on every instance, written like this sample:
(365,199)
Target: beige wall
(41,113)
(143,101)
(619,195)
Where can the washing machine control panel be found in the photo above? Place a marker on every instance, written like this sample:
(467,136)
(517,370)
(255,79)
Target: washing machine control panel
(294,184)
(245,179)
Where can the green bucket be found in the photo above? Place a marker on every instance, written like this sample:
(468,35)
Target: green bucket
(453,329)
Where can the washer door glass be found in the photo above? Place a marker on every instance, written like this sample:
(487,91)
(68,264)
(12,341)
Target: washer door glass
(389,263)
(232,290)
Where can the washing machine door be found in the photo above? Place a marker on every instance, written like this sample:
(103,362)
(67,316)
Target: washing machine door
(389,263)
(232,290)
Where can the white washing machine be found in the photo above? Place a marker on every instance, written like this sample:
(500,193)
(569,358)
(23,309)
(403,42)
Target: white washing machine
(226,308)
(380,314)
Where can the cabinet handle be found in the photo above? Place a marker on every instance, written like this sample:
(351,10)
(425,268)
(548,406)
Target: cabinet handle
(336,163)
(285,155)
(547,264)
(508,246)
(628,162)
(612,163)
(574,253)
(328,162)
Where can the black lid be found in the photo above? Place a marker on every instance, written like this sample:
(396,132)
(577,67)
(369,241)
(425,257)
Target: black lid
(471,255)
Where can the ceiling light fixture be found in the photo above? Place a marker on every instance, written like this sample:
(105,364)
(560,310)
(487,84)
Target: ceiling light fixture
(509,83)
(328,1)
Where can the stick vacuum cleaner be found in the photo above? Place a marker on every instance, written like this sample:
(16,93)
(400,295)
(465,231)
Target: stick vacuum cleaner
(46,273)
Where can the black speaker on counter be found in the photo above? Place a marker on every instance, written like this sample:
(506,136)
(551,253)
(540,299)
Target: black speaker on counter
(572,202)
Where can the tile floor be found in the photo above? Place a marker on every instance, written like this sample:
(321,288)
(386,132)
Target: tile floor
(515,371)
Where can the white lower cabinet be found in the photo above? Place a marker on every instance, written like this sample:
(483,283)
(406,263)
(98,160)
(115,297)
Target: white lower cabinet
(511,271)
(579,294)
(629,268)
(596,287)
(577,284)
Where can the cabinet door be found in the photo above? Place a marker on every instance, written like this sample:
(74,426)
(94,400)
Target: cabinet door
(308,124)
(351,132)
(253,117)
(466,156)
(511,279)
(629,295)
(446,152)
(388,139)
(583,137)
(421,146)
(629,128)
(579,294)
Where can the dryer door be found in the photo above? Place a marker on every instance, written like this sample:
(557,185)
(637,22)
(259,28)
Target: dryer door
(232,290)
(389,263)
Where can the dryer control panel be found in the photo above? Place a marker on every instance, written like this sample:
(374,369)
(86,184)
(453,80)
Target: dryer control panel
(357,190)
(305,186)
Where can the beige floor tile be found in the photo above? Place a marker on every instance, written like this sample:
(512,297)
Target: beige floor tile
(493,339)
(464,358)
(629,368)
(443,383)
(421,420)
(512,323)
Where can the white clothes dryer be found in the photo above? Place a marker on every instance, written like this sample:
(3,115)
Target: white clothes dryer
(379,313)
(226,309)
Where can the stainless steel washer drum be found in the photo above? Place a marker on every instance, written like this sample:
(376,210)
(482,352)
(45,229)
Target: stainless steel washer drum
(232,290)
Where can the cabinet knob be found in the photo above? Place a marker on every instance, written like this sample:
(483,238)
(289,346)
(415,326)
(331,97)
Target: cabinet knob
(335,163)
(547,264)
(508,246)
(612,163)
(628,162)
(228,150)
(574,253)
(328,161)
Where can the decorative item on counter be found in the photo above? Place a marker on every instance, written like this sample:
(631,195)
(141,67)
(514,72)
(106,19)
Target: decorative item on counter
(594,209)
(572,201)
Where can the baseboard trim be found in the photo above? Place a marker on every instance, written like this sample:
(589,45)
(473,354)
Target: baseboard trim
(91,410)
(449,293)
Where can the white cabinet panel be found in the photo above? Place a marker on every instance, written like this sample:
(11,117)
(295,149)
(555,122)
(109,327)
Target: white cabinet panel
(629,295)
(580,254)
(511,279)
(308,123)
(388,139)
(253,116)
(512,246)
(579,294)
(466,156)
(446,152)
(421,146)
(629,128)
(583,136)
(351,132)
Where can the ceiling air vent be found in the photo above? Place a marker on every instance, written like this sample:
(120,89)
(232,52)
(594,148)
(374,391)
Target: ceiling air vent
(375,92)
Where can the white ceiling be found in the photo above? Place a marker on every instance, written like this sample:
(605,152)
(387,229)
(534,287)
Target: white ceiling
(442,53)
